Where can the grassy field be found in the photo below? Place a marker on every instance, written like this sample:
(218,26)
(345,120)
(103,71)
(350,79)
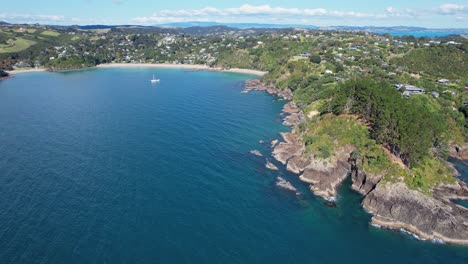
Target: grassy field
(19,45)
(28,30)
(298,58)
(50,33)
(101,31)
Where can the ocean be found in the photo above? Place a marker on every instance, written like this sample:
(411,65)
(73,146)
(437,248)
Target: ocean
(101,166)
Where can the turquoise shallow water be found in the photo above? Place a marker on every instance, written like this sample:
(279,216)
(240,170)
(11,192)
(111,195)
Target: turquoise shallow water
(100,166)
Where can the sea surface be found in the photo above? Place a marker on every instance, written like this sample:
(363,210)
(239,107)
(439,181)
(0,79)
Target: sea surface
(100,166)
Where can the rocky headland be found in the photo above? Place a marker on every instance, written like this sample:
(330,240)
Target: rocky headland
(393,205)
(3,74)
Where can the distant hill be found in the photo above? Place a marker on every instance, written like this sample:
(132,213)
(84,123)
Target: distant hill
(234,25)
(4,23)
(91,27)
(194,30)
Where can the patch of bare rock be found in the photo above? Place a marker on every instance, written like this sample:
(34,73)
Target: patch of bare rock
(271,166)
(256,153)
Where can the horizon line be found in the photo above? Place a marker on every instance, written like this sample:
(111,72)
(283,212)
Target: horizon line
(229,23)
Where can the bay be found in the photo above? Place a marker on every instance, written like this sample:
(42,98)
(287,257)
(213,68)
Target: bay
(100,166)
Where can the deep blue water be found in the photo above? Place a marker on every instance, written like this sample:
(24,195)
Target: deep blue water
(100,166)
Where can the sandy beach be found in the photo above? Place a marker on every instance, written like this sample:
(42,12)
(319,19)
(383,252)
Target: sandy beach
(179,66)
(25,71)
(194,67)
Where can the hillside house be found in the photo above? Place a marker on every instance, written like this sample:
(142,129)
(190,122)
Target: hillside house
(408,90)
(443,81)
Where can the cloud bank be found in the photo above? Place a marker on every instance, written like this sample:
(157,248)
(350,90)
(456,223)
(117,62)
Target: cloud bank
(247,11)
(270,14)
(30,18)
(447,15)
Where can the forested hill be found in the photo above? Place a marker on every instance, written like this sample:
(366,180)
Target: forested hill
(440,62)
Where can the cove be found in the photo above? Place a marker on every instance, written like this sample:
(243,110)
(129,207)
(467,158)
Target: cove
(101,166)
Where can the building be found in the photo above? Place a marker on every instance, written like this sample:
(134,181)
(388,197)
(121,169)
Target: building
(408,90)
(443,81)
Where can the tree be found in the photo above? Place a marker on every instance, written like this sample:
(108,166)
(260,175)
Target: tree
(315,59)
(404,126)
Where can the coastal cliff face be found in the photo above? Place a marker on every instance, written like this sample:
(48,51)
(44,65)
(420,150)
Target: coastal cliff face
(363,182)
(459,152)
(324,175)
(393,205)
(434,218)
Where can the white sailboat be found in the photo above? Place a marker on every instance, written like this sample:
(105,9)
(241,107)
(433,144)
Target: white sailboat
(154,80)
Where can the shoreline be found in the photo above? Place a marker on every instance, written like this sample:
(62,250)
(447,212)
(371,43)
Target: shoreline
(25,71)
(195,67)
(382,222)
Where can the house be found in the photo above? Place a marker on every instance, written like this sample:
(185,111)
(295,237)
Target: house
(408,90)
(443,81)
(435,94)
(328,72)
(305,55)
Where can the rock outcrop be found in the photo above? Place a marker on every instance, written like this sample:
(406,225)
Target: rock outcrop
(434,218)
(271,166)
(324,175)
(363,182)
(257,85)
(393,205)
(459,152)
(4,74)
(282,183)
(256,153)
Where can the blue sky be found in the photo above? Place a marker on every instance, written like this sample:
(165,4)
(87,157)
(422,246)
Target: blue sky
(436,14)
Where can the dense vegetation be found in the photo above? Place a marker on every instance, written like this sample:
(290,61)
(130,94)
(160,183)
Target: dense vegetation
(72,63)
(325,135)
(405,127)
(441,62)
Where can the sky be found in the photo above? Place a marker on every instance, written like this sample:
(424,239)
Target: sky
(423,13)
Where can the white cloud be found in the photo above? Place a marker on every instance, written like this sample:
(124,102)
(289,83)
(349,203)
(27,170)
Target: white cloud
(29,18)
(258,12)
(451,9)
